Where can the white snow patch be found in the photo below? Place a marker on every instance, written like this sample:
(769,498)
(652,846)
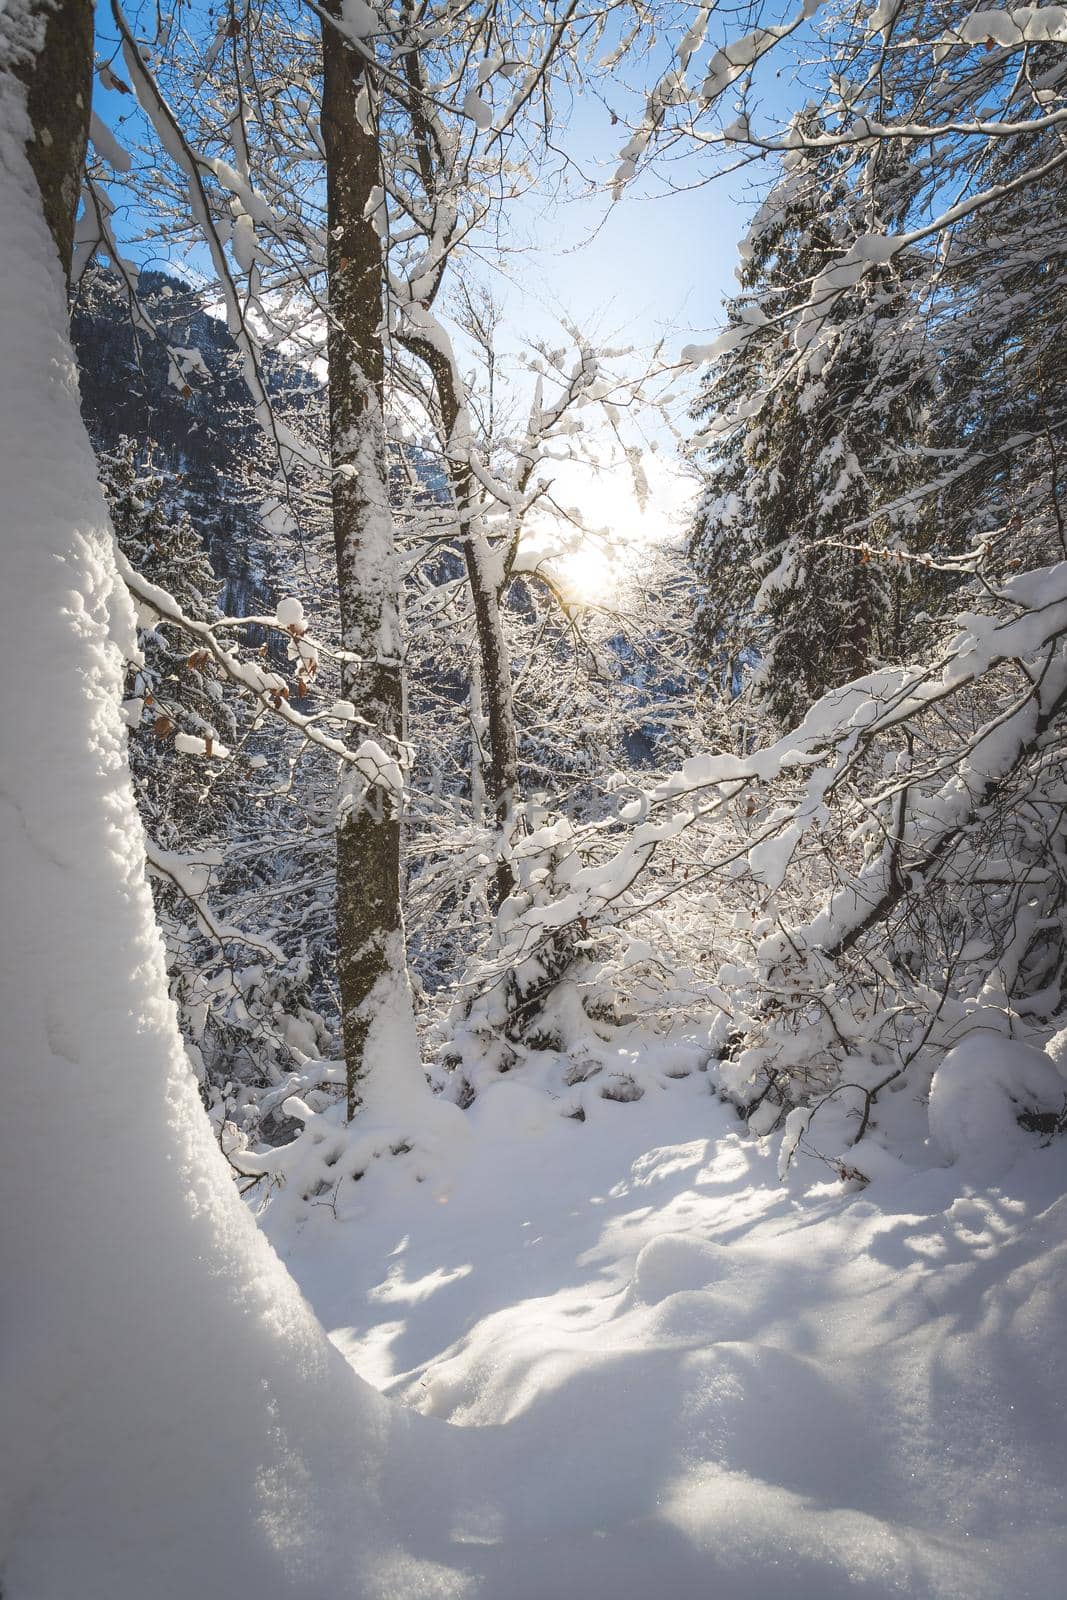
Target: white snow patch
(978,1093)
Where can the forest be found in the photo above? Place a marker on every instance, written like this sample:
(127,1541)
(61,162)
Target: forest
(534,822)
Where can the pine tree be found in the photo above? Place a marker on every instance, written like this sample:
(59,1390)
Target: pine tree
(183,795)
(797,585)
(1004,393)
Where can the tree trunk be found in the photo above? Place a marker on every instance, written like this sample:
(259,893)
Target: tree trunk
(102,1364)
(372,971)
(486,580)
(497,699)
(486,583)
(50,49)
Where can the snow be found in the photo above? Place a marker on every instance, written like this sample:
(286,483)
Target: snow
(668,1373)
(1021,25)
(588,1338)
(883,16)
(741,54)
(359,20)
(977,1094)
(694,354)
(108,146)
(479,111)
(190,744)
(289,613)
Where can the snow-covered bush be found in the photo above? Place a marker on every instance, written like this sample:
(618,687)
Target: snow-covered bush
(856,897)
(990,1095)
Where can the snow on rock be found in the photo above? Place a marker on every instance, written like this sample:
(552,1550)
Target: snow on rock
(979,1091)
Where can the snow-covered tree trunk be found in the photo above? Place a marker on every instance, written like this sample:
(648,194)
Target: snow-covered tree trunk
(372,970)
(498,699)
(50,44)
(486,577)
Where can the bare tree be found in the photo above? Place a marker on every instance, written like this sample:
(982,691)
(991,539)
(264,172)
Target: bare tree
(372,970)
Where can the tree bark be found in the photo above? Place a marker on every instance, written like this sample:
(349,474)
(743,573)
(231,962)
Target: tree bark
(486,585)
(372,971)
(50,48)
(498,701)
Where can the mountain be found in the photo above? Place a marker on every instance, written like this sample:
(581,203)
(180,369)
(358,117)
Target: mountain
(195,415)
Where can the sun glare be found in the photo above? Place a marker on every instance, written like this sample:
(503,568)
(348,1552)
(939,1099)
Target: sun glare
(588,577)
(604,563)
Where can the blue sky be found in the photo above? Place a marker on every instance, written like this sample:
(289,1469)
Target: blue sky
(656,265)
(652,262)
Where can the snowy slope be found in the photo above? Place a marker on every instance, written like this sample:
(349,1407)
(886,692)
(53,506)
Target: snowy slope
(674,1376)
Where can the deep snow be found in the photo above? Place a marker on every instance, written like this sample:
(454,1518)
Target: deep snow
(675,1376)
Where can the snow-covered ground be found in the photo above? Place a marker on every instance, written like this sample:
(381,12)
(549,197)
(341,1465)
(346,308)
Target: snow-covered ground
(669,1374)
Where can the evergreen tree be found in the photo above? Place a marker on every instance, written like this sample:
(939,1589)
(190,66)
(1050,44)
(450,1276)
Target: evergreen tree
(1004,393)
(183,794)
(796,573)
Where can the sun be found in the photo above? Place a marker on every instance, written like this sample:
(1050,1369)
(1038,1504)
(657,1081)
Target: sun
(587,576)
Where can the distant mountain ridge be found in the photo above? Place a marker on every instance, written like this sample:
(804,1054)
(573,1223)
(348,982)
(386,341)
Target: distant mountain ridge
(203,432)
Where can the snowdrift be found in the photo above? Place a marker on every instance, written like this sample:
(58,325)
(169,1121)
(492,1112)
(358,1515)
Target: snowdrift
(672,1375)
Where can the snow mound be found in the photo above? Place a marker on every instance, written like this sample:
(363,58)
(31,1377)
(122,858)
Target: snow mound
(1056,1048)
(670,1374)
(674,1262)
(979,1092)
(333,1164)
